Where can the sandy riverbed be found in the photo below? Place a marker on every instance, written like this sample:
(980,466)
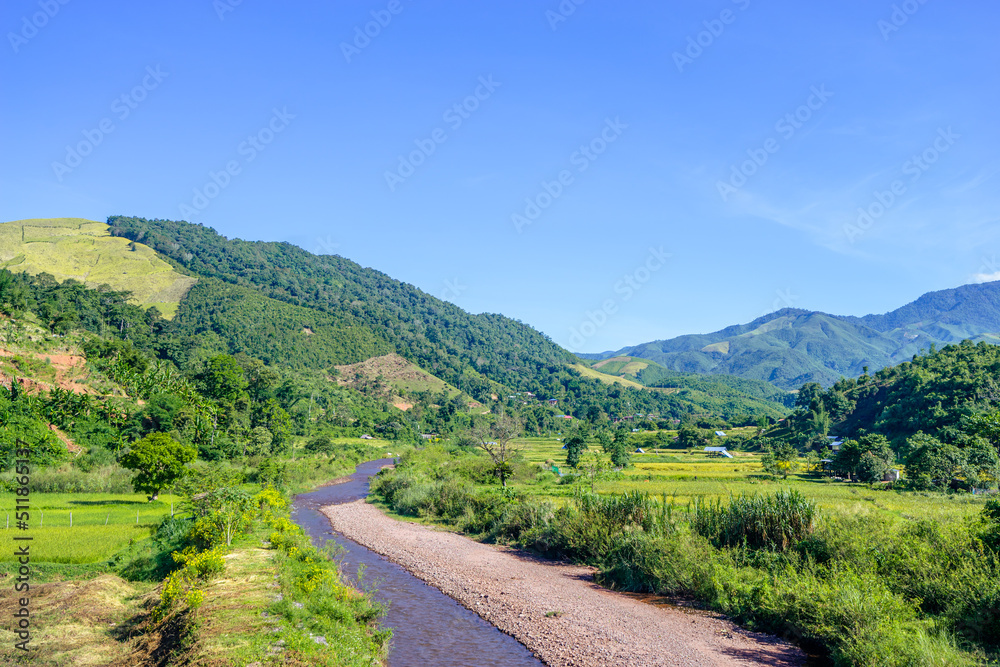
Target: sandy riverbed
(591,627)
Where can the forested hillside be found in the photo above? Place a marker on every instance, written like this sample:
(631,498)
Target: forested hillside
(281,304)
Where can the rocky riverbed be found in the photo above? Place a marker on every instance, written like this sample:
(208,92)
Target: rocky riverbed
(556,609)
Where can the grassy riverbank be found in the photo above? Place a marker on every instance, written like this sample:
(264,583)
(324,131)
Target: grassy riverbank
(227,579)
(872,577)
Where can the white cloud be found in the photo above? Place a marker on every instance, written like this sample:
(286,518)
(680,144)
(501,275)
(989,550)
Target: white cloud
(985,277)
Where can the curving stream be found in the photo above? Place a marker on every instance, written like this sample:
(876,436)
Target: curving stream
(429,628)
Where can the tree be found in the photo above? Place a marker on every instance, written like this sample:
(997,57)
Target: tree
(848,459)
(692,436)
(807,394)
(593,465)
(871,468)
(223,378)
(495,439)
(223,514)
(780,459)
(932,463)
(158,461)
(259,441)
(575,447)
(984,463)
(621,453)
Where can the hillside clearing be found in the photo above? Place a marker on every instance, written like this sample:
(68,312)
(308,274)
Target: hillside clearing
(84,250)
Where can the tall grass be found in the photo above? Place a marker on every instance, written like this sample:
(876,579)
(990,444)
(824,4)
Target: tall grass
(863,585)
(774,522)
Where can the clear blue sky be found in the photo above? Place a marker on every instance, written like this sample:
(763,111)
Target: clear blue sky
(664,119)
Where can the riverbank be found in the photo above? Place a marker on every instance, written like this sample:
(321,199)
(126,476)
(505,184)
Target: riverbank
(555,609)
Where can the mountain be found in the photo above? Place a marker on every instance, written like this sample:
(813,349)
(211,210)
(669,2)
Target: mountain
(294,310)
(791,347)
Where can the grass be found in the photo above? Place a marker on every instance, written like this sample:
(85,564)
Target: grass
(687,475)
(399,373)
(588,372)
(85,251)
(865,576)
(102,525)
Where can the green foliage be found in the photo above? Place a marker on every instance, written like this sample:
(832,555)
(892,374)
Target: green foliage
(222,515)
(865,457)
(775,522)
(158,461)
(575,447)
(780,458)
(862,588)
(932,463)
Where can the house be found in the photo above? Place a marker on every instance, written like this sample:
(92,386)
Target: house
(640,450)
(891,476)
(721,451)
(553,401)
(367,437)
(721,434)
(835,446)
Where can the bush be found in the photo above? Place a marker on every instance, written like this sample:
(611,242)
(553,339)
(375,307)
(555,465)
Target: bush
(759,522)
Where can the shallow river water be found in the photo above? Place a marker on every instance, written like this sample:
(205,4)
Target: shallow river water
(429,628)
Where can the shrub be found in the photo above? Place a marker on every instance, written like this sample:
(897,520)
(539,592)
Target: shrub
(760,522)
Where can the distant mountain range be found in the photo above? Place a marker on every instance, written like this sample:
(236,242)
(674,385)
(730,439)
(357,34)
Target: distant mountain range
(792,346)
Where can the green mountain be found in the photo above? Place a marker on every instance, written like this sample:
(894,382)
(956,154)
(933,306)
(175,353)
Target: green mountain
(791,347)
(294,310)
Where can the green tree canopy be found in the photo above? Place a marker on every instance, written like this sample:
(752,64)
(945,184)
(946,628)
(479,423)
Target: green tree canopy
(158,461)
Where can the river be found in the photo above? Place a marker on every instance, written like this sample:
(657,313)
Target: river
(429,628)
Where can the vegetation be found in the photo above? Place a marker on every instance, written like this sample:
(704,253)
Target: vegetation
(905,579)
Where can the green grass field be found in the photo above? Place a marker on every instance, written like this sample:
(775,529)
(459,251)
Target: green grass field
(85,251)
(102,524)
(685,475)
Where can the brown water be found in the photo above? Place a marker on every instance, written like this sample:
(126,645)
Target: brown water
(429,628)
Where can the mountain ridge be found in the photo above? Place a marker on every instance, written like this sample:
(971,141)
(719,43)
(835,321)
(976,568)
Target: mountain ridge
(793,346)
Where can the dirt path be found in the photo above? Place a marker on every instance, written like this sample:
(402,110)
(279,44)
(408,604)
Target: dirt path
(514,591)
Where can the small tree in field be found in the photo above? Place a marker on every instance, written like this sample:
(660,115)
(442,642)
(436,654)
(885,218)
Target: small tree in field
(575,447)
(495,439)
(158,461)
(594,464)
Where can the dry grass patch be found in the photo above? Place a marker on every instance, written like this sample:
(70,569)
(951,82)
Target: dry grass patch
(73,622)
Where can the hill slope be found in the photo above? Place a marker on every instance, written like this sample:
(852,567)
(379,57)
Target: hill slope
(791,347)
(84,251)
(257,298)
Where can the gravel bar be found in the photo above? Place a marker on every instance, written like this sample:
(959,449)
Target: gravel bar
(555,609)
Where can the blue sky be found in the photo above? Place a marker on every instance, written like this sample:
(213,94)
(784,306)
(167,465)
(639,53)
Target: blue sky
(652,169)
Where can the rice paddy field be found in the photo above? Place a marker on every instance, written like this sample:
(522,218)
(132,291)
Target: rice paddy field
(686,475)
(81,528)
